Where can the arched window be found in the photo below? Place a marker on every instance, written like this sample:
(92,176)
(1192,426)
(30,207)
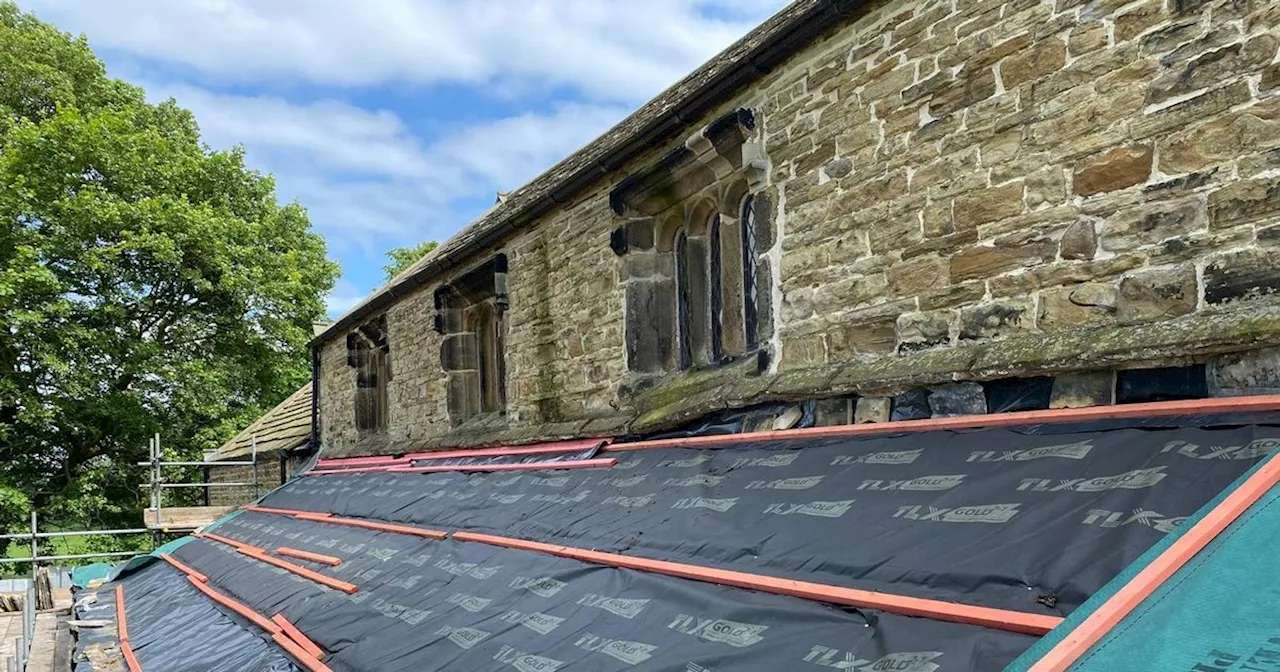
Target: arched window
(750,302)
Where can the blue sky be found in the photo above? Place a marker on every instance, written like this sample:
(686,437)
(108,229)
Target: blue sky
(398,121)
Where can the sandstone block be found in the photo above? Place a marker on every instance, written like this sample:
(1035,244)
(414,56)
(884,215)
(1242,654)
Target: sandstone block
(1117,169)
(872,409)
(981,261)
(1081,390)
(1079,241)
(1213,67)
(1244,201)
(918,275)
(1158,294)
(834,412)
(1131,229)
(924,330)
(1132,23)
(1076,306)
(1204,105)
(1043,58)
(996,319)
(988,205)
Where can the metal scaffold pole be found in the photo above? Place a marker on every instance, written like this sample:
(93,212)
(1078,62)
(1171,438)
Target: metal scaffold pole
(156,491)
(254,458)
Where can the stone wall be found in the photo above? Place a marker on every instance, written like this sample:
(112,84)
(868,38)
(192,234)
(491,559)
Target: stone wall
(960,189)
(268,478)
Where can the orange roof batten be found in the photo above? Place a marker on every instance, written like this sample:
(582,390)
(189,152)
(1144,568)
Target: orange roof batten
(1113,611)
(309,556)
(245,612)
(326,581)
(292,632)
(1156,409)
(596,463)
(239,545)
(299,654)
(329,518)
(182,567)
(122,629)
(1015,621)
(122,625)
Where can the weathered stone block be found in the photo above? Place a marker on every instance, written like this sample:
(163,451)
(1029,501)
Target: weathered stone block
(1270,78)
(872,409)
(1245,373)
(988,205)
(1117,169)
(1204,105)
(1047,186)
(996,319)
(1081,390)
(838,168)
(1079,241)
(1132,229)
(1158,294)
(921,331)
(1042,58)
(973,85)
(650,325)
(640,234)
(1222,140)
(834,412)
(1077,306)
(1213,67)
(918,275)
(956,399)
(869,338)
(1132,23)
(1242,275)
(1086,39)
(1244,201)
(981,261)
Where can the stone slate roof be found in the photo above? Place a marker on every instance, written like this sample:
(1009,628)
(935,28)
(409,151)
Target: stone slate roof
(284,427)
(655,123)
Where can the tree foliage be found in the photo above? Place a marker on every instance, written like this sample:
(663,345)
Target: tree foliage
(147,283)
(404,257)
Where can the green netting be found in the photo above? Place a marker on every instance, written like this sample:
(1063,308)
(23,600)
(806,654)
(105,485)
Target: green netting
(1219,613)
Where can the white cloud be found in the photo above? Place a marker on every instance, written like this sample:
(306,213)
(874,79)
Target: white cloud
(342,298)
(613,49)
(366,179)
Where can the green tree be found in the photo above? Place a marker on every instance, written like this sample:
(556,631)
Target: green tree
(404,257)
(147,283)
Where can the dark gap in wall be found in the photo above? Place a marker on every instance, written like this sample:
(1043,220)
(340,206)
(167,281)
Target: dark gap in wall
(1135,386)
(1009,395)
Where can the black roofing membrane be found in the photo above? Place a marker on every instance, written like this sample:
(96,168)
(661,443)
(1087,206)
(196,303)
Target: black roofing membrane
(1028,522)
(428,605)
(993,518)
(174,627)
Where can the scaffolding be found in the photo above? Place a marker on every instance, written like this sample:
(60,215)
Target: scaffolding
(160,520)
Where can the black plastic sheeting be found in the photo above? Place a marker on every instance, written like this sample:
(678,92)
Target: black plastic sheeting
(424,605)
(992,518)
(172,626)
